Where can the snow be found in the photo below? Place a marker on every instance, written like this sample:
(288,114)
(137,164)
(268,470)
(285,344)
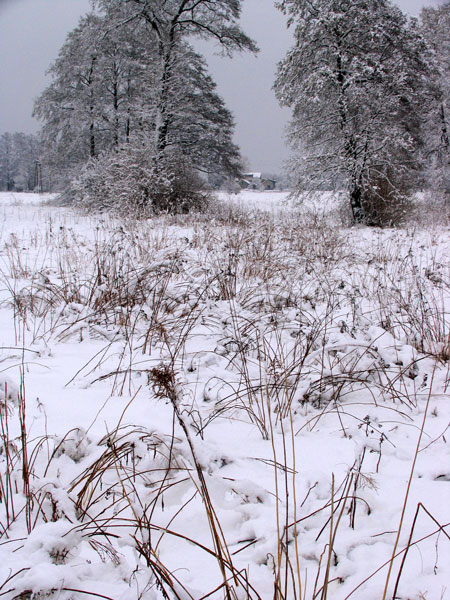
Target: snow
(268,201)
(270,367)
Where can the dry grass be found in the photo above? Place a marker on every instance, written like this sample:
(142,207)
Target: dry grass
(289,305)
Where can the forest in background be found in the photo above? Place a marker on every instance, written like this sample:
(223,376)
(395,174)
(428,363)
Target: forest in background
(132,119)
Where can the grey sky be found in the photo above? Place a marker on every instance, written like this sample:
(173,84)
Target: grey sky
(32,31)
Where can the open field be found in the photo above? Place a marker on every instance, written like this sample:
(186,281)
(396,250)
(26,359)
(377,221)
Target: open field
(250,404)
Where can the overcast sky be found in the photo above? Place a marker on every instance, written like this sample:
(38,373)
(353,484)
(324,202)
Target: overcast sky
(32,31)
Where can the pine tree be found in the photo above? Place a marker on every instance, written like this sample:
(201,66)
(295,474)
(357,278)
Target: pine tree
(356,80)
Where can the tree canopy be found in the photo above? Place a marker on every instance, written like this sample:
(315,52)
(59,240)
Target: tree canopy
(128,78)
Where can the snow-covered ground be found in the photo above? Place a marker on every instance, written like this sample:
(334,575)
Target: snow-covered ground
(230,406)
(267,201)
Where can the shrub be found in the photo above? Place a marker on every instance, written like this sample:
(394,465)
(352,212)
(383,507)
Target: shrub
(386,201)
(134,181)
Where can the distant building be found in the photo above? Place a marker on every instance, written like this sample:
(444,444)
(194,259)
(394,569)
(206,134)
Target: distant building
(268,184)
(256,181)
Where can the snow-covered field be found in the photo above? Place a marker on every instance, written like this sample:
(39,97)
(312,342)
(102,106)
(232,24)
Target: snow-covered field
(241,406)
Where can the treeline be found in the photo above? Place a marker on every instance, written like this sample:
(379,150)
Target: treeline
(20,167)
(132,116)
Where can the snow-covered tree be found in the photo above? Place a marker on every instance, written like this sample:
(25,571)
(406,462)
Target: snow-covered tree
(435,27)
(101,91)
(7,163)
(199,126)
(69,105)
(127,79)
(356,80)
(171,22)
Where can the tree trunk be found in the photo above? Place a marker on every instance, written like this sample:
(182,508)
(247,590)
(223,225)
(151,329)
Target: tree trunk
(163,112)
(356,204)
(116,106)
(445,138)
(92,140)
(92,149)
(350,146)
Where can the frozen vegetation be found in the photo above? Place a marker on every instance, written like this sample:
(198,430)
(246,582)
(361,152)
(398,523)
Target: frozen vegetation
(248,404)
(232,398)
